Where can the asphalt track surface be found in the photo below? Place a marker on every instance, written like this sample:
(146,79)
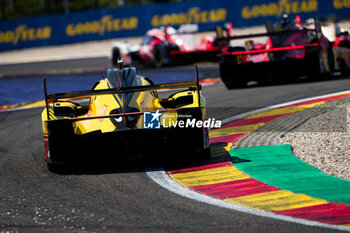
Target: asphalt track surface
(61,66)
(86,65)
(117,199)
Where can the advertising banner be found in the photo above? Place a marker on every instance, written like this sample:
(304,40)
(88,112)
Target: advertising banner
(135,21)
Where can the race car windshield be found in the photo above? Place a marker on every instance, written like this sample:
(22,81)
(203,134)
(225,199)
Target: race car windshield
(282,40)
(125,77)
(286,25)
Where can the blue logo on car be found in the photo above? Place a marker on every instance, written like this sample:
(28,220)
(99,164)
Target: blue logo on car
(151,120)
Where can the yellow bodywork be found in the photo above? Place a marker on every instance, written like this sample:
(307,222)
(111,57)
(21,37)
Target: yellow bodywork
(102,105)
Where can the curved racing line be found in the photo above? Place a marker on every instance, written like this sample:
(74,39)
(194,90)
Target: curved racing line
(221,183)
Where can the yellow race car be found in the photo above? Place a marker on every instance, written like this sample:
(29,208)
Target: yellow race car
(124,118)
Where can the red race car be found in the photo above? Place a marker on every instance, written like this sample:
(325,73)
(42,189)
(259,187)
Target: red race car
(341,47)
(291,49)
(167,46)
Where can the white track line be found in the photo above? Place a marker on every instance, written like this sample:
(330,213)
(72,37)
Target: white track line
(279,106)
(163,179)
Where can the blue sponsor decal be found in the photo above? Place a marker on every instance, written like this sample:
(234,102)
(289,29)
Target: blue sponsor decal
(151,120)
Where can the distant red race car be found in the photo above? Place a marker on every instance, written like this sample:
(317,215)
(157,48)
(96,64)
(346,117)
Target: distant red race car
(167,46)
(341,47)
(291,50)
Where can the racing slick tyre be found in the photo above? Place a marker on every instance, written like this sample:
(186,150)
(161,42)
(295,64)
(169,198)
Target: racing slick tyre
(230,82)
(196,157)
(342,62)
(321,65)
(205,154)
(230,72)
(61,167)
(52,167)
(160,56)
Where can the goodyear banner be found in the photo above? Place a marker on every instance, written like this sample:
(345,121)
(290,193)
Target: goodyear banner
(254,12)
(135,21)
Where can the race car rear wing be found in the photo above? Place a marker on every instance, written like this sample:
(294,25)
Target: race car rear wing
(271,32)
(192,86)
(255,51)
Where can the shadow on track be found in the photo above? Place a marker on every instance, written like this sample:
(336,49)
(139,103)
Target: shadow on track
(111,166)
(216,154)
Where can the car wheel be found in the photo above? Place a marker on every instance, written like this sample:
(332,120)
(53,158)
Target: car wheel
(322,65)
(328,65)
(55,167)
(232,84)
(206,154)
(200,156)
(159,56)
(51,166)
(228,79)
(342,62)
(230,71)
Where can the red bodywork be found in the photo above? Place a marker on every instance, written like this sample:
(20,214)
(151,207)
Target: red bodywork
(175,44)
(290,50)
(293,46)
(341,40)
(341,47)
